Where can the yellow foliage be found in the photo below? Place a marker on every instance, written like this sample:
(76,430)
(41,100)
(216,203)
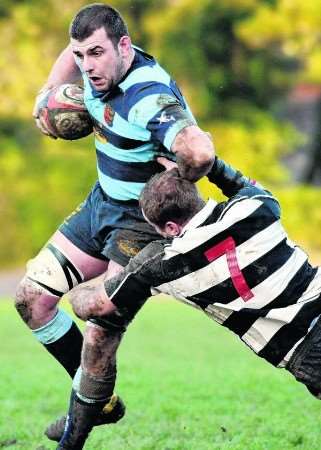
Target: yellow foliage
(313,66)
(293,25)
(255,151)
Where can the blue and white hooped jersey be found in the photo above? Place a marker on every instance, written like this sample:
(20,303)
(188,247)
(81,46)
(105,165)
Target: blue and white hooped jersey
(135,122)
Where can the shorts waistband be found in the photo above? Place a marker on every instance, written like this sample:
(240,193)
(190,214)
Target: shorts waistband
(115,201)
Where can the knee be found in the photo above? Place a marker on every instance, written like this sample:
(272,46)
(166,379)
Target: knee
(33,303)
(26,294)
(46,280)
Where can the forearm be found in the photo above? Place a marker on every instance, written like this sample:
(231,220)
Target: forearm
(64,70)
(228,179)
(195,153)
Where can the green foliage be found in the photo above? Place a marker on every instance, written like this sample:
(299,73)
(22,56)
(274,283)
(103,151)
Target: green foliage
(188,384)
(6,7)
(254,148)
(291,28)
(41,189)
(223,68)
(302,214)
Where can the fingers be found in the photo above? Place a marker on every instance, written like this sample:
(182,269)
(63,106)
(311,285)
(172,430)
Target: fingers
(35,112)
(167,163)
(44,128)
(40,104)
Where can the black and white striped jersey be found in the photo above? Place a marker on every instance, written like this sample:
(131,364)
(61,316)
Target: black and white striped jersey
(235,262)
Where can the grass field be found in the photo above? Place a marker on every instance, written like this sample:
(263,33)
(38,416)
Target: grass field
(188,385)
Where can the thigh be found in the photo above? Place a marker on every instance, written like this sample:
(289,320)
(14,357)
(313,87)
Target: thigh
(80,227)
(61,265)
(130,234)
(57,268)
(108,229)
(89,266)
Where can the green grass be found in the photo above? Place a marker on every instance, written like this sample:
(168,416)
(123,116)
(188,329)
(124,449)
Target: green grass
(188,385)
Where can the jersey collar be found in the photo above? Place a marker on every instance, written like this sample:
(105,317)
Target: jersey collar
(200,217)
(141,59)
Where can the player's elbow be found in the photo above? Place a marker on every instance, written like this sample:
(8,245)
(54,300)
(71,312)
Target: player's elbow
(205,152)
(204,155)
(195,146)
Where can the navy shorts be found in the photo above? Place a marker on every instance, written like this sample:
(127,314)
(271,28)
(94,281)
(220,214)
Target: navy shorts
(108,229)
(305,363)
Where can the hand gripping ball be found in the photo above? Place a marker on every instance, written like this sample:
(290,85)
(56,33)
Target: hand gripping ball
(64,113)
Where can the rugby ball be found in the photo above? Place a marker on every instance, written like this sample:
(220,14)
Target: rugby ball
(64,113)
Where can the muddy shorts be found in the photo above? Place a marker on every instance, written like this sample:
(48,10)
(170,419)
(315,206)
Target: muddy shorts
(305,363)
(108,229)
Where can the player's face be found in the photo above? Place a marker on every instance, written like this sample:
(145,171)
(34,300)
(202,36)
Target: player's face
(104,64)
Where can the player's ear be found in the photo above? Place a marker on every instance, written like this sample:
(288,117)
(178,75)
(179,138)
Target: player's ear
(124,45)
(172,228)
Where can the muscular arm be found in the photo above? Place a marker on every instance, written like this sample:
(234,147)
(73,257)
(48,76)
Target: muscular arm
(121,297)
(64,70)
(195,152)
(228,179)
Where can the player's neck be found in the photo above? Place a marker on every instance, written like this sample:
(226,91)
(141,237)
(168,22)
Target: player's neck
(129,60)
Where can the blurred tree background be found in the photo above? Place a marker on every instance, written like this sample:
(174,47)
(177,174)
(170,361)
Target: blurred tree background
(235,60)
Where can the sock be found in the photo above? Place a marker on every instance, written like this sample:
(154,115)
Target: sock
(63,339)
(80,421)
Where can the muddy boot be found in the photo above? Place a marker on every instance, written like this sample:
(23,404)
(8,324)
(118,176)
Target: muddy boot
(80,421)
(112,412)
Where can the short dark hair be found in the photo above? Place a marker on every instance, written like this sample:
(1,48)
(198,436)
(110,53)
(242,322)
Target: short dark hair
(168,196)
(94,16)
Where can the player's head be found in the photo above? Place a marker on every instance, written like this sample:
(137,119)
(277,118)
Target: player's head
(101,45)
(95,16)
(168,202)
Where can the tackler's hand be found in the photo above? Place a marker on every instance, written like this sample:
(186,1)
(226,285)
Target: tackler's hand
(167,163)
(39,105)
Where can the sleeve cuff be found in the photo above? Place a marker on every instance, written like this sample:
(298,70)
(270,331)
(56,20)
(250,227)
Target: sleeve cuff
(173,131)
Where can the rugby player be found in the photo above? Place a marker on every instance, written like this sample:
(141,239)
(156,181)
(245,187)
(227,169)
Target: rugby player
(139,114)
(233,260)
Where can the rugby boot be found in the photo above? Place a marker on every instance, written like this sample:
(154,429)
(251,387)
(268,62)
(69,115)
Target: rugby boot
(112,412)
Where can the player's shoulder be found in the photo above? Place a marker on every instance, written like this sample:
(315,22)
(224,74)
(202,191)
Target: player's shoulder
(144,74)
(252,199)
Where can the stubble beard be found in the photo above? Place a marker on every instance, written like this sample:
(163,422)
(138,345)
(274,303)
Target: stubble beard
(120,70)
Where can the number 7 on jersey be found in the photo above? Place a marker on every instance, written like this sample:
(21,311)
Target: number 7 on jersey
(228,248)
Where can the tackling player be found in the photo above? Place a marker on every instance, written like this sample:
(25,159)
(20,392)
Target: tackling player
(233,260)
